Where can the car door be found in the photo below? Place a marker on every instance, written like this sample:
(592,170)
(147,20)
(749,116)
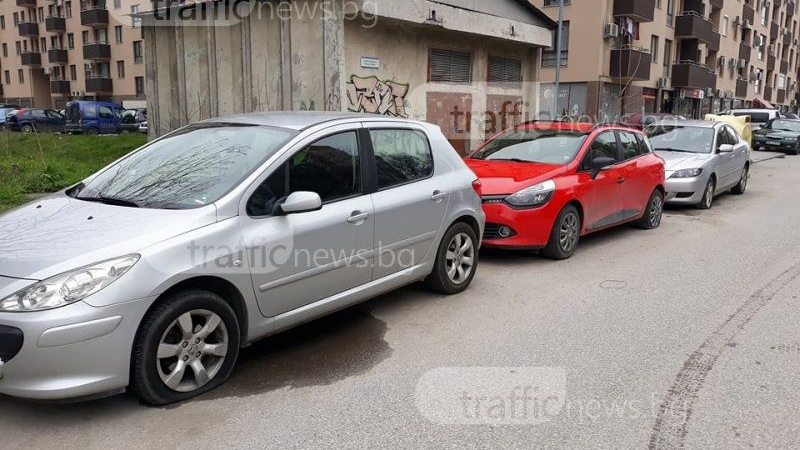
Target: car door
(105,118)
(730,164)
(636,181)
(601,197)
(55,121)
(38,120)
(299,259)
(410,199)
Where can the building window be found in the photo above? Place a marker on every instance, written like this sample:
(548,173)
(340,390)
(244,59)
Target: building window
(41,14)
(670,12)
(138,57)
(70,40)
(120,69)
(726,22)
(85,37)
(654,49)
(2,22)
(505,71)
(447,66)
(73,72)
(667,57)
(68,9)
(118,33)
(8,76)
(136,21)
(18,45)
(5,49)
(139,81)
(117,4)
(43,44)
(21,76)
(16,19)
(554,2)
(549,55)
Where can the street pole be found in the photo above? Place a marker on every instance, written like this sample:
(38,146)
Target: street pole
(558,55)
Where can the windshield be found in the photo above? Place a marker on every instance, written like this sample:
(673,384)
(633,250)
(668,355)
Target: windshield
(534,146)
(188,169)
(681,139)
(786,125)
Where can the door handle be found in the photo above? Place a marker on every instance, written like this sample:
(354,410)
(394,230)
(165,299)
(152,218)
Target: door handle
(438,196)
(621,180)
(358,217)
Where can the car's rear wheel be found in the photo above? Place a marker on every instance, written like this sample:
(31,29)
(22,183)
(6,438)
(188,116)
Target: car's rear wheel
(653,212)
(565,234)
(92,131)
(708,195)
(186,345)
(741,187)
(27,128)
(456,260)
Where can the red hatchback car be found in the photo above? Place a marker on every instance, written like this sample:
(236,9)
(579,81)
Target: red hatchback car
(546,184)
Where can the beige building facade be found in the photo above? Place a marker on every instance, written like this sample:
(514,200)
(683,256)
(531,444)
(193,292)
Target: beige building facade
(686,57)
(53,51)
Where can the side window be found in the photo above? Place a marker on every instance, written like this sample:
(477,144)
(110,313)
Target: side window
(330,167)
(643,145)
(37,113)
(722,137)
(401,156)
(90,111)
(629,145)
(105,112)
(604,145)
(732,135)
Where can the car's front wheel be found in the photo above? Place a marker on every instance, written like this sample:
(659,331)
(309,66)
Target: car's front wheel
(565,234)
(708,195)
(794,150)
(27,128)
(187,345)
(456,260)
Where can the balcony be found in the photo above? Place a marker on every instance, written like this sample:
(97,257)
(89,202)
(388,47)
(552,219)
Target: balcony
(55,24)
(781,98)
(99,85)
(741,88)
(33,59)
(630,63)
(748,12)
(28,29)
(689,74)
(57,56)
(94,17)
(690,25)
(774,31)
(98,51)
(768,93)
(745,51)
(784,67)
(717,4)
(59,87)
(639,10)
(790,7)
(770,62)
(26,3)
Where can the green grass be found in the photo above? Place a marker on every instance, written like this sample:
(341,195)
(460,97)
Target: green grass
(41,163)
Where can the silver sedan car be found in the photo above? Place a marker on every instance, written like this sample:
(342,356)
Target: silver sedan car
(703,159)
(152,273)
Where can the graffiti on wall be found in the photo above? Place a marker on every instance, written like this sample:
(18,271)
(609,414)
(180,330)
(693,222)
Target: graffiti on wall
(372,95)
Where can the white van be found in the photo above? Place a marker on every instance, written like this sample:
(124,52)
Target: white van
(758,117)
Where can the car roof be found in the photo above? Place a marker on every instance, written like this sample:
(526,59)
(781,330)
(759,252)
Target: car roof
(691,123)
(299,120)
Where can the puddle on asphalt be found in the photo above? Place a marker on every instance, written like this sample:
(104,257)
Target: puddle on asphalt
(342,345)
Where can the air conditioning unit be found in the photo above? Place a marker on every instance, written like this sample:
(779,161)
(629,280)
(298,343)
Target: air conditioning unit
(721,61)
(737,21)
(610,30)
(77,93)
(732,62)
(682,94)
(746,24)
(771,49)
(793,103)
(742,63)
(720,93)
(662,82)
(710,92)
(47,71)
(59,2)
(90,65)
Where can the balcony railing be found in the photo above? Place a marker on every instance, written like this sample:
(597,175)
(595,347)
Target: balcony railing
(33,59)
(745,51)
(55,24)
(768,93)
(690,74)
(790,7)
(94,16)
(717,4)
(774,30)
(28,29)
(26,3)
(57,56)
(748,12)
(691,25)
(770,62)
(630,63)
(781,98)
(59,87)
(97,51)
(784,67)
(741,88)
(99,84)
(640,10)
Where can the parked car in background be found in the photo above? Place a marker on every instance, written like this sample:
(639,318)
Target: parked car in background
(131,119)
(546,184)
(92,117)
(4,112)
(641,121)
(790,116)
(29,120)
(758,117)
(143,127)
(778,134)
(703,159)
(152,291)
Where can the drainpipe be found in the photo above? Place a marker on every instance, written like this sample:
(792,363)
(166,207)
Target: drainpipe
(558,55)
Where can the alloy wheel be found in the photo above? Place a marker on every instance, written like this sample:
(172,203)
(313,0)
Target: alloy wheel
(743,181)
(709,197)
(460,258)
(192,350)
(656,210)
(569,232)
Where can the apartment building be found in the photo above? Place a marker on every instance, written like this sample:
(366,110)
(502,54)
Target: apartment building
(52,51)
(686,57)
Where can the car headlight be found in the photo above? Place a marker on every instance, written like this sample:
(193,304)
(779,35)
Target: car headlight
(687,173)
(69,287)
(533,196)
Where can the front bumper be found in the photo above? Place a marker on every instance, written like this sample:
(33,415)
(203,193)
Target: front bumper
(781,145)
(75,351)
(530,227)
(686,191)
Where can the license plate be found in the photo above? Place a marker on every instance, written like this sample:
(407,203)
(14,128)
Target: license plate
(773,143)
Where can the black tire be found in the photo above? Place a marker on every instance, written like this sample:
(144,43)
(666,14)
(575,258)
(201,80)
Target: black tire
(146,368)
(93,131)
(651,219)
(27,128)
(741,187)
(794,150)
(565,235)
(440,280)
(708,194)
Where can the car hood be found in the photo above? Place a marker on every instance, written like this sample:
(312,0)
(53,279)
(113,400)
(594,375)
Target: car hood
(679,160)
(59,233)
(508,177)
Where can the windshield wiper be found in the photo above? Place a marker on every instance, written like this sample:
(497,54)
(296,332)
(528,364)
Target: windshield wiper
(511,159)
(110,201)
(677,150)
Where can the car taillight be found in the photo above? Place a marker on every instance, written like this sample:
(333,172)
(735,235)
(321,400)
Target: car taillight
(476,185)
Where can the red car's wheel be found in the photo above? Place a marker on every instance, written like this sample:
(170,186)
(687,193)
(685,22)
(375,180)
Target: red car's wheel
(565,234)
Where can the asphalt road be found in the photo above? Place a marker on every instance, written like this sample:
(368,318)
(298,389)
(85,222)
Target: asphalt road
(682,337)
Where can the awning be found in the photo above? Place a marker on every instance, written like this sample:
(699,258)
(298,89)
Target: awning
(763,103)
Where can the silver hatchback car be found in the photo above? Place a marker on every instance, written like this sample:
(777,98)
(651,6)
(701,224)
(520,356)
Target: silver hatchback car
(152,273)
(703,159)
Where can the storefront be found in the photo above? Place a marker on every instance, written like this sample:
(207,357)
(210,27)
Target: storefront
(650,97)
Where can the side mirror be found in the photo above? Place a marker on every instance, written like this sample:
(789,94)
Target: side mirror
(300,202)
(600,163)
(726,148)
